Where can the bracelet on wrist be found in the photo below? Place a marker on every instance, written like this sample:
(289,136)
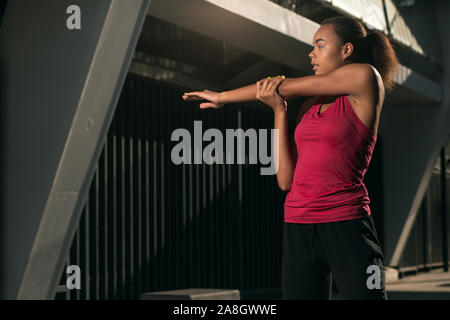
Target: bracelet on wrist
(278,92)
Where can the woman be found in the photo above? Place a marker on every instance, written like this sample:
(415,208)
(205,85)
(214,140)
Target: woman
(328,228)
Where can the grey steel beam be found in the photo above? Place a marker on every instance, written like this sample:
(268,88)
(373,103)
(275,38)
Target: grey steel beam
(78,73)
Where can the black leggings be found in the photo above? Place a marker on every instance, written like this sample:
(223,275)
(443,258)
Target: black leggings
(347,252)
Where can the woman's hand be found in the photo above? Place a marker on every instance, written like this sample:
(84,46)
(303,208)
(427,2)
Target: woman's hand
(266,91)
(211,96)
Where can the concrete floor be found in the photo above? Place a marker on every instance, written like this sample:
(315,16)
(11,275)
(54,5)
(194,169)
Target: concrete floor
(433,285)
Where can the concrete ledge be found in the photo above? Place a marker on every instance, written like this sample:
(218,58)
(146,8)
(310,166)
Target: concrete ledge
(434,285)
(391,274)
(193,294)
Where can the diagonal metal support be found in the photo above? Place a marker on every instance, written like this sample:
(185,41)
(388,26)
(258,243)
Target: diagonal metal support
(94,111)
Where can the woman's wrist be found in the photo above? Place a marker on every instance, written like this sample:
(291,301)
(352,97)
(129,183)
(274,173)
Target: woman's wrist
(280,111)
(221,97)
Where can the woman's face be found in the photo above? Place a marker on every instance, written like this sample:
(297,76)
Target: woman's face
(328,53)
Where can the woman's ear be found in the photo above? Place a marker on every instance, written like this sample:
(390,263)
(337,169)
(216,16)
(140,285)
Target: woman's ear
(347,50)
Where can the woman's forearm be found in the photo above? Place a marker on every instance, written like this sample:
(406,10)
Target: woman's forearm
(243,94)
(284,157)
(248,93)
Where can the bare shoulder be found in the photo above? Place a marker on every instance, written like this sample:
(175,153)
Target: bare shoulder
(368,104)
(361,69)
(373,93)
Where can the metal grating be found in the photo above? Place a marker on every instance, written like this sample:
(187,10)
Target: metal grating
(149,225)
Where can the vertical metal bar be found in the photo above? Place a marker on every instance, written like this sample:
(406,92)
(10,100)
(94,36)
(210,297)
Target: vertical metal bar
(211,217)
(134,175)
(68,293)
(192,221)
(109,264)
(198,253)
(82,255)
(184,240)
(223,222)
(138,119)
(163,218)
(122,214)
(216,215)
(153,242)
(147,193)
(86,243)
(427,244)
(115,203)
(97,233)
(103,221)
(129,212)
(168,266)
(92,240)
(135,248)
(163,246)
(118,199)
(173,197)
(244,206)
(265,219)
(262,211)
(78,262)
(203,229)
(231,219)
(444,209)
(240,214)
(156,243)
(255,189)
(176,197)
(130,190)
(203,216)
(219,218)
(158,232)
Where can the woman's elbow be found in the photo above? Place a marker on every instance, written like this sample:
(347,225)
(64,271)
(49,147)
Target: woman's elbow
(284,186)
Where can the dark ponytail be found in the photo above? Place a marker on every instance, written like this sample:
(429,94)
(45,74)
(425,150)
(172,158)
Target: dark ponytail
(368,47)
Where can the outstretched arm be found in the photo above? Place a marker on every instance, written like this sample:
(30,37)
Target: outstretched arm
(355,79)
(216,100)
(243,94)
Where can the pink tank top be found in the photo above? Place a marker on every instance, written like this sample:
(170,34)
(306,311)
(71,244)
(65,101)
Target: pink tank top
(334,152)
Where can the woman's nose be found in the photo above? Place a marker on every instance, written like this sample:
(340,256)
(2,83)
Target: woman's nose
(311,54)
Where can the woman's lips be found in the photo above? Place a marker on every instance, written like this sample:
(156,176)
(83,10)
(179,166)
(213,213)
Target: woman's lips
(315,67)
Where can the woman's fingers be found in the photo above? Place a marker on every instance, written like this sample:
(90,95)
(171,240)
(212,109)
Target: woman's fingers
(210,96)
(206,105)
(261,88)
(265,86)
(193,96)
(271,88)
(258,85)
